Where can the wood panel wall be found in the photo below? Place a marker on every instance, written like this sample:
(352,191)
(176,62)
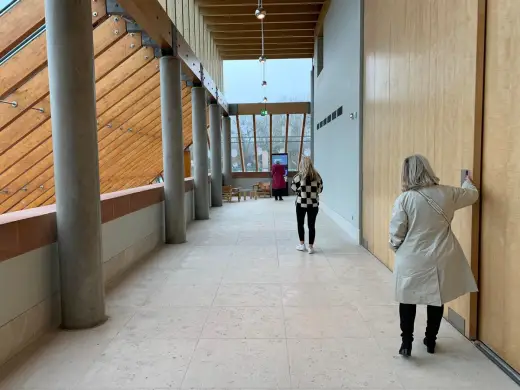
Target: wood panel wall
(499,312)
(421,84)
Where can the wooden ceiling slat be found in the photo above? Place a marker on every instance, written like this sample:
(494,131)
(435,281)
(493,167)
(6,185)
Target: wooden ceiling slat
(129,85)
(23,139)
(234,28)
(40,142)
(223,44)
(271,19)
(256,49)
(107,158)
(270,57)
(37,87)
(249,10)
(116,55)
(20,22)
(124,71)
(266,3)
(257,34)
(47,181)
(30,59)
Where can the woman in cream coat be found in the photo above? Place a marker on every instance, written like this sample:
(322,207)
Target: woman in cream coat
(430,266)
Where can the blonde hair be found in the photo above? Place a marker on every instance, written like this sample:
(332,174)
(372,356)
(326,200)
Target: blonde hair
(417,173)
(307,170)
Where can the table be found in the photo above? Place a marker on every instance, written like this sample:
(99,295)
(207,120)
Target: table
(243,192)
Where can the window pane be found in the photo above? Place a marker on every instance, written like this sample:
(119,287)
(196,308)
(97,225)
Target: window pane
(236,162)
(279,133)
(248,142)
(295,136)
(262,142)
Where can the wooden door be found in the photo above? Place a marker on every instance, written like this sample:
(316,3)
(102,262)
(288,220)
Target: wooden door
(499,306)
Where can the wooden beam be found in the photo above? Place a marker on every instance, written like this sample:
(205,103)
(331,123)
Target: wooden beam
(255,48)
(237,57)
(272,108)
(254,135)
(19,23)
(270,140)
(240,144)
(240,27)
(234,3)
(250,19)
(273,41)
(22,65)
(248,10)
(287,118)
(301,140)
(318,32)
(257,34)
(151,16)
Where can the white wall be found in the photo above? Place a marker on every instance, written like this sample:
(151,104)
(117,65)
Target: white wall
(337,146)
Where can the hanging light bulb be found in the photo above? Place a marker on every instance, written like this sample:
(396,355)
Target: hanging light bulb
(264,83)
(265,99)
(260,13)
(262,59)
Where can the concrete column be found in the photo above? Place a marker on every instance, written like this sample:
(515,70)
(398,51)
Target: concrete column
(76,173)
(200,152)
(226,133)
(216,155)
(173,150)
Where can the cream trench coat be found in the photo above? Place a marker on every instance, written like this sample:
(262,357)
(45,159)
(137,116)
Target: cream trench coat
(430,266)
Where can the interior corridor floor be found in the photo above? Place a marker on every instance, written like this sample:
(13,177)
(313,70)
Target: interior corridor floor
(238,308)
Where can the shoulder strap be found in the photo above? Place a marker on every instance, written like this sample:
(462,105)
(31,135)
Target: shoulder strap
(434,205)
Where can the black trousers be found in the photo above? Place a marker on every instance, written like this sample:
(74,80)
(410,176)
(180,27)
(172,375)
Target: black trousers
(312,213)
(278,193)
(407,313)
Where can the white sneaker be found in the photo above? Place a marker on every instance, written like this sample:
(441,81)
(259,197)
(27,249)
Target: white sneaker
(310,250)
(300,247)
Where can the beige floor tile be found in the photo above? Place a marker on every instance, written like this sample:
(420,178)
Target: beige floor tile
(339,363)
(457,364)
(253,295)
(237,307)
(245,323)
(237,364)
(325,322)
(149,363)
(317,294)
(166,323)
(183,295)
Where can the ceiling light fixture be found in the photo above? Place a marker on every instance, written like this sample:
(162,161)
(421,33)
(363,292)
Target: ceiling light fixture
(260,13)
(265,99)
(262,59)
(264,83)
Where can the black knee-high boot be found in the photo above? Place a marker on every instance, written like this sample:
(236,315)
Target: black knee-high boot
(432,327)
(407,315)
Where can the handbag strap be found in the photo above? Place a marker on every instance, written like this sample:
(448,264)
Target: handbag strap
(434,205)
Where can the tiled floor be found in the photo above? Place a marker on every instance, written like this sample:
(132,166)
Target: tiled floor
(238,308)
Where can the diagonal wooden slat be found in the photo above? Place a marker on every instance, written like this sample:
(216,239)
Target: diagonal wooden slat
(19,23)
(23,64)
(37,87)
(22,146)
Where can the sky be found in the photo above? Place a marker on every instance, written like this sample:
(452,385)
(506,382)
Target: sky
(287,80)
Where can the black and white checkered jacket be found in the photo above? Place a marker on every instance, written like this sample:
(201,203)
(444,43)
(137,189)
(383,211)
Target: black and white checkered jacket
(307,192)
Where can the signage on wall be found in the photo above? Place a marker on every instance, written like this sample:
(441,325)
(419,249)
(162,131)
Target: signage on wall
(329,118)
(263,112)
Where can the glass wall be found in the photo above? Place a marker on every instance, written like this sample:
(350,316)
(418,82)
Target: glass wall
(287,138)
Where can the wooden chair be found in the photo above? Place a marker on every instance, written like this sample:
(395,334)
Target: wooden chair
(228,192)
(263,189)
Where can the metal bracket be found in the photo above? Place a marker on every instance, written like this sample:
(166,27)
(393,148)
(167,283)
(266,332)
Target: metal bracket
(114,8)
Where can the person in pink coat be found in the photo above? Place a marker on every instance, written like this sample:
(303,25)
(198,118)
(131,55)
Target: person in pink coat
(278,172)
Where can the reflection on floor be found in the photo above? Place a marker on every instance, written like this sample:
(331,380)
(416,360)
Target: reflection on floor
(238,308)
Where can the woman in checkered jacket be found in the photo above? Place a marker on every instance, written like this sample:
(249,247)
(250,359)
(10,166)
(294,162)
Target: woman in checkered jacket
(308,185)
